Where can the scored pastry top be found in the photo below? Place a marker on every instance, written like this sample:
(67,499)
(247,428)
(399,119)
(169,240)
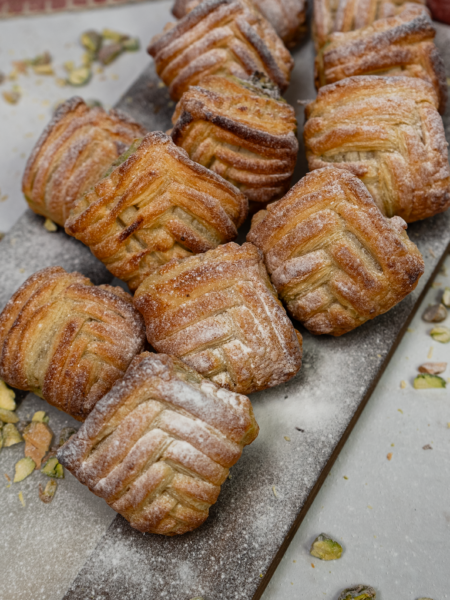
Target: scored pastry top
(67,340)
(387,131)
(241,130)
(73,152)
(157,205)
(220,37)
(158,447)
(400,45)
(219,313)
(335,260)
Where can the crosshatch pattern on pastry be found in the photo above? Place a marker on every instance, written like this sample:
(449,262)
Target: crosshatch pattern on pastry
(67,340)
(219,313)
(388,132)
(334,259)
(220,37)
(158,447)
(72,154)
(156,206)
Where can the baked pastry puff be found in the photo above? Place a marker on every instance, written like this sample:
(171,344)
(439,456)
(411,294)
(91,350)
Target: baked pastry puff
(220,37)
(72,154)
(157,205)
(334,259)
(348,15)
(288,17)
(244,131)
(67,340)
(388,132)
(400,45)
(158,447)
(219,313)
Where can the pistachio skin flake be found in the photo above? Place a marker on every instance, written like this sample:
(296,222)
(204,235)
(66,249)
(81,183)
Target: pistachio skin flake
(8,416)
(435,313)
(7,397)
(441,334)
(24,467)
(65,435)
(110,52)
(91,40)
(53,468)
(38,437)
(47,494)
(11,436)
(325,548)
(359,592)
(433,368)
(446,297)
(428,382)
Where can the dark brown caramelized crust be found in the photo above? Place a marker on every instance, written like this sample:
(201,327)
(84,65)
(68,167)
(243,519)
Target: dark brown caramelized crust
(401,45)
(158,447)
(67,340)
(219,313)
(334,259)
(245,135)
(220,37)
(387,131)
(72,154)
(347,15)
(155,206)
(288,17)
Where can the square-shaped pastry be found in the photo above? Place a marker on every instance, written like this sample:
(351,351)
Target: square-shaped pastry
(334,259)
(220,37)
(158,447)
(157,205)
(244,131)
(219,313)
(72,154)
(347,15)
(67,340)
(401,45)
(288,17)
(388,132)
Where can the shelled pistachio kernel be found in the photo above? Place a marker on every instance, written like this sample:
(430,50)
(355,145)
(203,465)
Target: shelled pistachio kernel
(441,334)
(8,416)
(47,494)
(24,467)
(7,397)
(40,417)
(435,313)
(325,548)
(91,40)
(446,297)
(11,436)
(427,382)
(358,592)
(53,468)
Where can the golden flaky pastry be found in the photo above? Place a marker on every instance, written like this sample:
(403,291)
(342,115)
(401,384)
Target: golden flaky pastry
(72,154)
(334,259)
(243,131)
(67,340)
(401,45)
(387,131)
(219,313)
(157,205)
(158,447)
(288,17)
(220,37)
(347,15)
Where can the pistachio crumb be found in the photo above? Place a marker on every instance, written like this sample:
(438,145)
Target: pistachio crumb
(21,498)
(287,438)
(403,384)
(389,456)
(345,477)
(50,226)
(400,410)
(325,548)
(430,352)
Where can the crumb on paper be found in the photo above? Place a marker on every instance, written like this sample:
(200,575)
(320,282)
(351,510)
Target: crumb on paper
(410,330)
(436,284)
(345,477)
(392,445)
(313,566)
(287,438)
(22,500)
(389,456)
(427,447)
(50,226)
(371,507)
(274,490)
(403,384)
(430,353)
(430,250)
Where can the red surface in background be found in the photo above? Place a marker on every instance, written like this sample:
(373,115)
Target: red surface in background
(440,9)
(11,8)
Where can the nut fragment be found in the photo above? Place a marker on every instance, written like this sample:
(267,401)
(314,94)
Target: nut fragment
(11,97)
(91,40)
(40,417)
(131,45)
(441,334)
(7,396)
(358,592)
(427,447)
(50,226)
(110,52)
(38,438)
(325,548)
(446,297)
(7,416)
(11,436)
(24,467)
(47,494)
(433,368)
(53,468)
(43,70)
(79,76)
(65,435)
(435,313)
(114,36)
(41,59)
(426,382)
